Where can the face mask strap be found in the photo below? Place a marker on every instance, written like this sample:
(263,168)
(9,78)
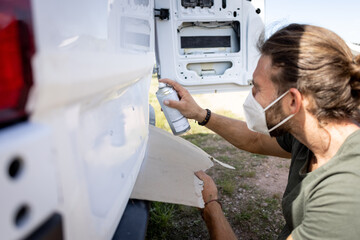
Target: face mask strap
(281,123)
(276,100)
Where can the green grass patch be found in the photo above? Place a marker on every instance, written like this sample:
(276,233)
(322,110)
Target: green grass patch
(210,149)
(161,220)
(245,186)
(225,159)
(248,174)
(227,186)
(243,216)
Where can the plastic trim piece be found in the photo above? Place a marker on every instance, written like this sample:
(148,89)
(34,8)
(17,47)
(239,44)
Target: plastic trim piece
(167,174)
(52,229)
(133,224)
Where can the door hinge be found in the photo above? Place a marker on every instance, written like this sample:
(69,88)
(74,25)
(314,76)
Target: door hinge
(162,13)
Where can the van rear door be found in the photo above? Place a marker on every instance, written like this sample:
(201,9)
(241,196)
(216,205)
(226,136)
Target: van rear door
(208,45)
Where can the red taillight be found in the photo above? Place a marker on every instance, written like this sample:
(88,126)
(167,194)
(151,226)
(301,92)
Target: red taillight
(10,63)
(16,50)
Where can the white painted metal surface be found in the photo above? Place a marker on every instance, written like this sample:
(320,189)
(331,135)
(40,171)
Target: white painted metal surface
(355,49)
(28,180)
(228,67)
(92,73)
(88,131)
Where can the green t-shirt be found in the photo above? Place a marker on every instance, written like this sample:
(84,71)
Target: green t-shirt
(325,203)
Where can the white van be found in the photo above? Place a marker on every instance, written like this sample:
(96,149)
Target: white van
(74,109)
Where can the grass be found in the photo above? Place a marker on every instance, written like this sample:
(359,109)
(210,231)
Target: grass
(245,186)
(252,214)
(227,186)
(161,215)
(167,212)
(249,174)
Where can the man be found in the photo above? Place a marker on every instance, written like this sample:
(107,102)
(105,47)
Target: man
(304,105)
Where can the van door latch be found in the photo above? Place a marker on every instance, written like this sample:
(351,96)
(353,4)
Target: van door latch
(162,13)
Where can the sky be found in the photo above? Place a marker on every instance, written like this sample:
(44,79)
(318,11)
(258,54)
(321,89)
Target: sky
(342,17)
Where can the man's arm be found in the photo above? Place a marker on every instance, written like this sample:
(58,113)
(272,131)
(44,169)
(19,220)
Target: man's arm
(218,226)
(234,131)
(237,133)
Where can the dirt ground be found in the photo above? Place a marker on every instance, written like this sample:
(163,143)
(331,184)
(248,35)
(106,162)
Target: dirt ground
(253,208)
(271,175)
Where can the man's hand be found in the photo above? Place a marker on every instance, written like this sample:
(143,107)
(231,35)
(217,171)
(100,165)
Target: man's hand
(219,228)
(209,191)
(187,105)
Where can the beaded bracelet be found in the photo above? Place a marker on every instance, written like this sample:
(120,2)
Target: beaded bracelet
(207,118)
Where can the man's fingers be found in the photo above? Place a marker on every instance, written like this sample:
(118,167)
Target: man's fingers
(200,174)
(204,177)
(172,103)
(180,89)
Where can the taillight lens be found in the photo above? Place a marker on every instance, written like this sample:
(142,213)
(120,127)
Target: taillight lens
(16,51)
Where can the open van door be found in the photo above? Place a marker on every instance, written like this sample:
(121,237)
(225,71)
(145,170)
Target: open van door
(208,45)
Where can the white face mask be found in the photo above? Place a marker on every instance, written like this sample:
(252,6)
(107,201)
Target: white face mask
(255,115)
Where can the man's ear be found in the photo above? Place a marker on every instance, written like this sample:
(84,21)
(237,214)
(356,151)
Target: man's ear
(295,101)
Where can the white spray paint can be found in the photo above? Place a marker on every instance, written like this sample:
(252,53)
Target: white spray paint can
(178,123)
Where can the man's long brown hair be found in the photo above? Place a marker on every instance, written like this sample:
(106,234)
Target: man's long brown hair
(319,64)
